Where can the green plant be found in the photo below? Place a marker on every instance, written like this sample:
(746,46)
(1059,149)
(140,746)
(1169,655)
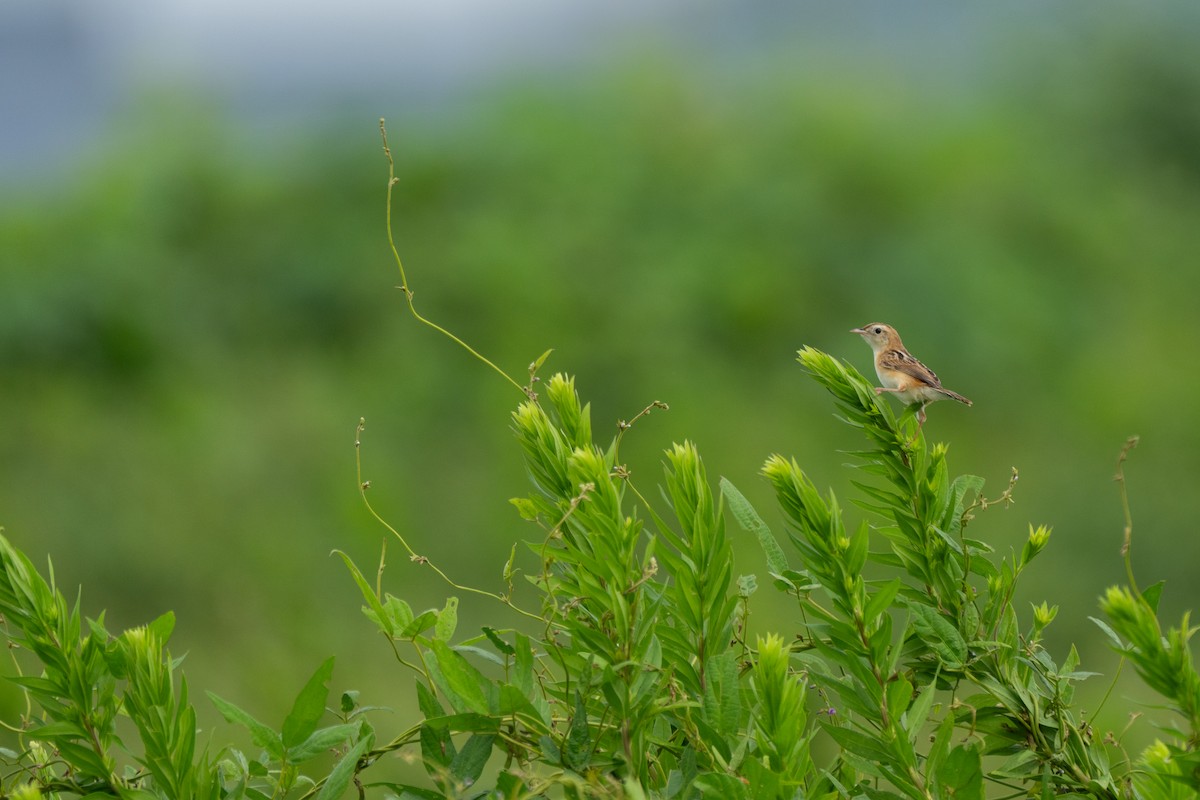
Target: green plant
(633,674)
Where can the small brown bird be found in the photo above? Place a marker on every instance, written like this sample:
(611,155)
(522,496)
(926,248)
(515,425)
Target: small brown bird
(901,373)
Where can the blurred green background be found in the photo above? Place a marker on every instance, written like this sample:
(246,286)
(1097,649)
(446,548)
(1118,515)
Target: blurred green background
(195,311)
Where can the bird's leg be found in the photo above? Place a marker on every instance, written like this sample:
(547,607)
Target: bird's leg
(882,389)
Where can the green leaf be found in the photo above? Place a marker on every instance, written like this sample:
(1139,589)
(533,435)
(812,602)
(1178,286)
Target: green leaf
(861,745)
(260,734)
(764,783)
(472,758)
(321,741)
(309,706)
(941,743)
(85,760)
(679,780)
(961,774)
(1152,593)
(578,737)
(1112,635)
(428,703)
(339,779)
(1017,766)
(719,786)
(466,687)
(882,794)
(511,786)
(468,722)
(162,627)
(447,620)
(127,794)
(969,620)
(421,623)
(722,694)
(485,653)
(899,695)
(381,619)
(916,715)
(58,730)
(404,791)
(399,613)
(550,753)
(749,521)
(526,508)
(513,702)
(939,635)
(881,600)
(509,568)
(523,674)
(437,748)
(500,644)
(958,491)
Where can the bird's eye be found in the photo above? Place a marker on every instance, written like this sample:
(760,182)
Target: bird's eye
(878,329)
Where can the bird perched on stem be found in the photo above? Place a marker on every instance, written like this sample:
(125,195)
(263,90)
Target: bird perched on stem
(901,373)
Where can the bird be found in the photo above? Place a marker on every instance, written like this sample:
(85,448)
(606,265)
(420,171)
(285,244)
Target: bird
(901,373)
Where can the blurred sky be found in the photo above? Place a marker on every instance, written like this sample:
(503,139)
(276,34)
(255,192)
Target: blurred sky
(68,68)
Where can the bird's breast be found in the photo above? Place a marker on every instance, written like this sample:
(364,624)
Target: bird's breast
(907,388)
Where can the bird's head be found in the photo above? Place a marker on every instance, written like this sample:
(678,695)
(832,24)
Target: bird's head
(879,335)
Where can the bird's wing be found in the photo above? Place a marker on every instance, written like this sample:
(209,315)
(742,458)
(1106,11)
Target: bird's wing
(901,361)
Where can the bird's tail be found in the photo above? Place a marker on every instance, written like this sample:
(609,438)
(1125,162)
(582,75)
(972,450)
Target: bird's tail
(955,396)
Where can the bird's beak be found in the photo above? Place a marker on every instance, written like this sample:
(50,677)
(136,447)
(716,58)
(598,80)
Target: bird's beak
(859,331)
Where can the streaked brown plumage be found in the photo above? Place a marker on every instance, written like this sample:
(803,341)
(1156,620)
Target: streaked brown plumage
(901,373)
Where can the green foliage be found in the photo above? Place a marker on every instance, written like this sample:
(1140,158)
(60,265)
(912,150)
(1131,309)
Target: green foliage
(1165,663)
(671,232)
(908,673)
(86,681)
(909,676)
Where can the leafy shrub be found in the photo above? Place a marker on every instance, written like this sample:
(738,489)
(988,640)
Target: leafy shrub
(636,675)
